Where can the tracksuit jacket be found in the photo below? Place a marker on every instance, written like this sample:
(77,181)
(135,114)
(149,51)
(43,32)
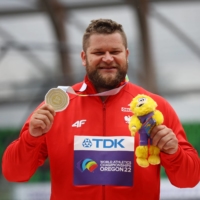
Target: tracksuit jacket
(89,116)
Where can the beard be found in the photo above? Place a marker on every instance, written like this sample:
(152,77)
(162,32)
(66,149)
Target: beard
(109,81)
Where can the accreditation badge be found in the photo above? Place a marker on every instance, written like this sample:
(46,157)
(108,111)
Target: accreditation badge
(103,160)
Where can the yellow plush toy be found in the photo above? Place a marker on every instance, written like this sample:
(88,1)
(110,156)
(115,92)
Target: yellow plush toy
(144,119)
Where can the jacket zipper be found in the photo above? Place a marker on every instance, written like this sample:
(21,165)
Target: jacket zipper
(104,134)
(104,119)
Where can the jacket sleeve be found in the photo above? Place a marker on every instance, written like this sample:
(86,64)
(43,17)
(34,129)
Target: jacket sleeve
(23,156)
(183,167)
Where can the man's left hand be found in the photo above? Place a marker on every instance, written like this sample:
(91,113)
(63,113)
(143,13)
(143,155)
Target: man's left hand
(165,139)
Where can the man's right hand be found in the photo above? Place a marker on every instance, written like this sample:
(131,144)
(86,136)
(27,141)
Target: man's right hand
(41,120)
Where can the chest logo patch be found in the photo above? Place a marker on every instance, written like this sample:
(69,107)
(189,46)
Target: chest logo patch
(79,123)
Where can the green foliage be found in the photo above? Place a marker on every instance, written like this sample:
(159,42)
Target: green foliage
(193,134)
(6,137)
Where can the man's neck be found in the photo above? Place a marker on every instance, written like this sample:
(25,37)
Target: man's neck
(99,90)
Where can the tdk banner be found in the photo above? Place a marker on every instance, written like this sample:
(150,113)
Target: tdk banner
(103,160)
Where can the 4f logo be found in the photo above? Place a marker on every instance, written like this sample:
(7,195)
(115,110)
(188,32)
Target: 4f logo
(79,123)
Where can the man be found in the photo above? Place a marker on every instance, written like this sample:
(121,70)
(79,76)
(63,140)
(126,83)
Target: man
(49,134)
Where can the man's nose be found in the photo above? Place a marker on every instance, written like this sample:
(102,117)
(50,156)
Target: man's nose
(107,57)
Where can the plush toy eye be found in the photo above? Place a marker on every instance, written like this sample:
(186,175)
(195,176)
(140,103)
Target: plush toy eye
(141,100)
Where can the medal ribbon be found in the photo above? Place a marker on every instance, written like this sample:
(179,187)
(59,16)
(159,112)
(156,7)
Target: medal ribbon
(114,91)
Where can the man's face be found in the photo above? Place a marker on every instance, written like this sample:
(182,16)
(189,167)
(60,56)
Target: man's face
(105,60)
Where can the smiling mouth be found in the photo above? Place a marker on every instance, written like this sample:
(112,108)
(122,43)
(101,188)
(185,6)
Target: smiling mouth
(107,68)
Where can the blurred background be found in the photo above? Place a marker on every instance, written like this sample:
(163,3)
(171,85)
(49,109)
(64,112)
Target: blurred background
(40,45)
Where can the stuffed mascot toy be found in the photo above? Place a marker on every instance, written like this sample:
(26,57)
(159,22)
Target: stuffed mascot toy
(145,117)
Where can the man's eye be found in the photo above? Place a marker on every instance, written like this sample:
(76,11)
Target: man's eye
(98,53)
(115,52)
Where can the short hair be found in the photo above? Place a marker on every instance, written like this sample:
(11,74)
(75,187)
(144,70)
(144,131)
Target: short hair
(103,26)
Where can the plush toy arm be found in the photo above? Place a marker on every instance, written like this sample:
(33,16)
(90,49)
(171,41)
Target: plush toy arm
(134,125)
(158,117)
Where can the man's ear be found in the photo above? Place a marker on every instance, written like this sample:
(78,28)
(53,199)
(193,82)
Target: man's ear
(127,53)
(83,57)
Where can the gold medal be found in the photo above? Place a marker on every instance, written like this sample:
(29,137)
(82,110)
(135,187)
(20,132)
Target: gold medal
(57,98)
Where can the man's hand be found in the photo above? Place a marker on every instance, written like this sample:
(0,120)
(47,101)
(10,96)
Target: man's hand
(41,120)
(165,139)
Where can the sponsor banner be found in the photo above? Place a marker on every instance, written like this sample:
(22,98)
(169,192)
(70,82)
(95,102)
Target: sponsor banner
(103,160)
(116,143)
